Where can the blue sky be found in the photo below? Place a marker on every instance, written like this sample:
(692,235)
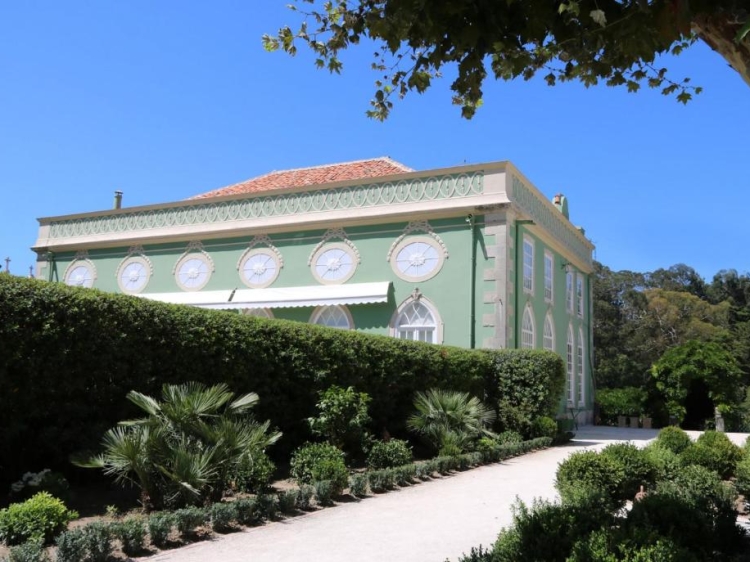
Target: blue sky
(165,100)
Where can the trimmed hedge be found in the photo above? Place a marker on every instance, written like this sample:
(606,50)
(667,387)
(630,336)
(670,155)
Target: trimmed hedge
(68,357)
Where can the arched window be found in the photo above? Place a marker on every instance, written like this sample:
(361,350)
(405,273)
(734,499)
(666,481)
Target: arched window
(527,329)
(569,364)
(549,333)
(258,312)
(579,367)
(333,317)
(416,321)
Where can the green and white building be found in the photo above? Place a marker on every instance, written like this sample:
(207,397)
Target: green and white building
(471,256)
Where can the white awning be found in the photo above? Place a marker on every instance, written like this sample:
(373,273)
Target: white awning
(282,297)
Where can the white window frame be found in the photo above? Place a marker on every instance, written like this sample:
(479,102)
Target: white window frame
(528,329)
(580,369)
(258,312)
(569,290)
(396,327)
(80,263)
(396,263)
(206,264)
(528,264)
(579,295)
(548,336)
(272,261)
(549,276)
(143,264)
(318,312)
(570,367)
(318,267)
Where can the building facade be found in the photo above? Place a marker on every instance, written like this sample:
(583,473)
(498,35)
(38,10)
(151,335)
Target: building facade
(472,256)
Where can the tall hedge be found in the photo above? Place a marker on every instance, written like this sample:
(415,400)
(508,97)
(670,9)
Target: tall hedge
(68,357)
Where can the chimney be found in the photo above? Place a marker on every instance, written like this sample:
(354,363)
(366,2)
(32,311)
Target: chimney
(118,200)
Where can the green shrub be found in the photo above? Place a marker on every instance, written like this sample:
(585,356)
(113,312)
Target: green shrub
(666,463)
(159,528)
(31,551)
(674,439)
(132,534)
(71,546)
(342,417)
(477,555)
(188,519)
(97,537)
(742,475)
(543,426)
(529,384)
(358,485)
(381,480)
(713,450)
(320,461)
(288,502)
(509,438)
(590,471)
(304,496)
(254,472)
(267,505)
(404,475)
(223,516)
(389,454)
(323,492)
(613,402)
(637,467)
(39,518)
(248,513)
(423,470)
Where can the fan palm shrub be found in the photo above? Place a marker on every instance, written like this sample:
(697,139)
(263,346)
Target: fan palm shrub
(186,447)
(450,420)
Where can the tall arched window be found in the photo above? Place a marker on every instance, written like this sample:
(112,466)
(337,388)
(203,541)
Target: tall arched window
(569,364)
(579,367)
(549,333)
(527,329)
(333,317)
(416,321)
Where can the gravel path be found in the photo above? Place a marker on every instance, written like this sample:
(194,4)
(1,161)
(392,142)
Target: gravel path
(426,522)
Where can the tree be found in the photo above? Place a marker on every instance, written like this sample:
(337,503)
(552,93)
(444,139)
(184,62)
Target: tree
(612,41)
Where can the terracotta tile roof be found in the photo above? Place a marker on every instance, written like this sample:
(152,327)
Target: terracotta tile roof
(316,175)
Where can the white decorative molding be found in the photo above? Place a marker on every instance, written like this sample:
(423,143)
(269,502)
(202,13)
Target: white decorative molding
(411,228)
(262,240)
(194,246)
(81,260)
(417,258)
(139,267)
(334,234)
(138,251)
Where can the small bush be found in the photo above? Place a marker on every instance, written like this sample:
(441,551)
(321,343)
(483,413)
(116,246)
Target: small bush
(159,528)
(223,516)
(132,535)
(477,555)
(588,470)
(358,485)
(543,427)
(254,472)
(188,519)
(71,546)
(323,492)
(381,480)
(304,496)
(404,475)
(97,537)
(342,417)
(247,512)
(38,518)
(422,471)
(267,505)
(674,439)
(638,469)
(31,551)
(666,463)
(509,437)
(320,461)
(389,454)
(715,451)
(742,474)
(288,502)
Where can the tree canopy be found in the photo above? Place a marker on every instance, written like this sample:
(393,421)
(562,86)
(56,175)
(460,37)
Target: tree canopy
(616,42)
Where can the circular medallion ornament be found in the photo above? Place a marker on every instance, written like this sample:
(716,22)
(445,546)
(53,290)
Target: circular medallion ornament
(80,274)
(193,272)
(133,274)
(334,263)
(417,258)
(259,268)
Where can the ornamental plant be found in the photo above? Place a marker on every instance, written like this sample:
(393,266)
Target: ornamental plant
(342,417)
(39,518)
(187,447)
(388,454)
(316,462)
